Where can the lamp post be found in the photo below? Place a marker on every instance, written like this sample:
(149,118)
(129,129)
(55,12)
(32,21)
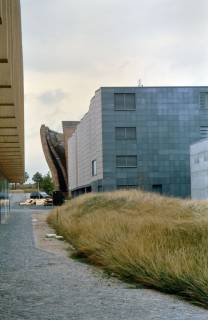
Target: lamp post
(39,190)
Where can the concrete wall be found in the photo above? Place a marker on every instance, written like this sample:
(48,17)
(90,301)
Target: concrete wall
(85,145)
(199,170)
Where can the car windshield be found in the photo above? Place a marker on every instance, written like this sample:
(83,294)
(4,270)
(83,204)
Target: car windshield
(44,194)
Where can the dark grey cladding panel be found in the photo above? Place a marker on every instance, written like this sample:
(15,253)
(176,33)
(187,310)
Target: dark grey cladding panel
(168,120)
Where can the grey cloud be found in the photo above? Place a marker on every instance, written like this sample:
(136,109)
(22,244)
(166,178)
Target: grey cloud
(52,97)
(80,36)
(82,45)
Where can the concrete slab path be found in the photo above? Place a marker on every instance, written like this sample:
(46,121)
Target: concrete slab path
(38,285)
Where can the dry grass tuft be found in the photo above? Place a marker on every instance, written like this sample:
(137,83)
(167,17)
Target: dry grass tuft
(146,238)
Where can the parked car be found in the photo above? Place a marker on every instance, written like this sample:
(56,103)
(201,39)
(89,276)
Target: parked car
(41,198)
(39,195)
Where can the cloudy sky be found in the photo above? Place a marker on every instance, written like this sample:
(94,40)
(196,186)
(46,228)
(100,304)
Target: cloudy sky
(72,47)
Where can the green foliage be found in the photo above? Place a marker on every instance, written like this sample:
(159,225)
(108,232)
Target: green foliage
(47,184)
(37,178)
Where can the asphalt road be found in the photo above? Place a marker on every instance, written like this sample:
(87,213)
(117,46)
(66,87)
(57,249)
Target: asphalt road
(37,285)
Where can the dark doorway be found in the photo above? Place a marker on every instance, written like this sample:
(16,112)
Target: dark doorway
(157,188)
(88,189)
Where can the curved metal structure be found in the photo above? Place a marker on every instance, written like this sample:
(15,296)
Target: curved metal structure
(53,148)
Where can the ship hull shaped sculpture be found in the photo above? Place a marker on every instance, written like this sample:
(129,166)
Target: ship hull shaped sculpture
(53,148)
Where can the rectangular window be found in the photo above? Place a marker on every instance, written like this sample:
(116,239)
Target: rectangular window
(124,101)
(204,132)
(204,100)
(125,133)
(94,168)
(126,161)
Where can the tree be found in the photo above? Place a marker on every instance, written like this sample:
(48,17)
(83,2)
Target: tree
(26,176)
(47,184)
(37,178)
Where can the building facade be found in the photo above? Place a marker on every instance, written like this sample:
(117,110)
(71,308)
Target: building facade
(11,101)
(199,169)
(138,137)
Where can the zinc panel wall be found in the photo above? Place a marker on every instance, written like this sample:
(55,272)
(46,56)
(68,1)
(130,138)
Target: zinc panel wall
(168,120)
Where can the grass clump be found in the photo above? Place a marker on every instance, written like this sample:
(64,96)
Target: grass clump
(157,241)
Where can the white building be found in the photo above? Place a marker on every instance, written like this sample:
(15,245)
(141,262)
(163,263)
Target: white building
(199,169)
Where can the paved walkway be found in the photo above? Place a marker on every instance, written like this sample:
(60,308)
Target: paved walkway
(37,285)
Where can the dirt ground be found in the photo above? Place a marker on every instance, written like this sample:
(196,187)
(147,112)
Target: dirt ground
(41,229)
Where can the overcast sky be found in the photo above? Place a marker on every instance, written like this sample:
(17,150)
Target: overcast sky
(72,47)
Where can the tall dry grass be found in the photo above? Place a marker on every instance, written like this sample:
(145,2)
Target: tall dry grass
(146,238)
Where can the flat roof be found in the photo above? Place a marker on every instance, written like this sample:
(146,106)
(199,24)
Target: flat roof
(150,87)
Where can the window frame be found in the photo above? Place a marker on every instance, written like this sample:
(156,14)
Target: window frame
(203,100)
(94,168)
(126,161)
(203,132)
(117,108)
(125,133)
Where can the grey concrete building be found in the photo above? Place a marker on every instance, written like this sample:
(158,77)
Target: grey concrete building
(138,137)
(199,169)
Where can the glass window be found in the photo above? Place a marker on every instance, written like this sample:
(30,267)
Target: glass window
(119,101)
(125,133)
(124,101)
(94,168)
(120,161)
(204,132)
(204,100)
(126,161)
(120,133)
(129,101)
(131,161)
(131,133)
